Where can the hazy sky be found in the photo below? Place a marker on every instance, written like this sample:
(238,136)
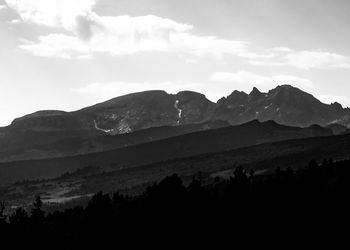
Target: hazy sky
(67,54)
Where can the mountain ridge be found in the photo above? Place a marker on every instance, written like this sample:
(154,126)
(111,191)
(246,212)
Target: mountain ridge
(52,133)
(284,104)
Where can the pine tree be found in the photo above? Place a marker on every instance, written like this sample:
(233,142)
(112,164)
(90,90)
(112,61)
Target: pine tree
(2,215)
(37,214)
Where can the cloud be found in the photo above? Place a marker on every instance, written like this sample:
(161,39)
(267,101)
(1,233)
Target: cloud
(3,7)
(245,80)
(125,35)
(316,59)
(15,21)
(191,61)
(114,35)
(55,13)
(305,59)
(56,45)
(85,33)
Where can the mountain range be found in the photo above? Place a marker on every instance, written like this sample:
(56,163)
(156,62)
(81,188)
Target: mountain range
(137,139)
(285,104)
(154,115)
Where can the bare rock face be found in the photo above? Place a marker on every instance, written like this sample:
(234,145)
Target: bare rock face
(195,107)
(138,111)
(158,115)
(145,110)
(285,104)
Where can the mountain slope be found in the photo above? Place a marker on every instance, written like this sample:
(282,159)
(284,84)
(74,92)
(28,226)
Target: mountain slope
(57,133)
(79,131)
(284,104)
(28,147)
(124,114)
(203,142)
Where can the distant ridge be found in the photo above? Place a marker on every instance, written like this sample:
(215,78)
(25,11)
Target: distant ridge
(54,133)
(186,145)
(284,104)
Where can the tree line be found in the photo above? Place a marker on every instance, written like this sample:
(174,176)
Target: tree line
(296,203)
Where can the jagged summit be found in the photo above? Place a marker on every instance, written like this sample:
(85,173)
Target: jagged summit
(284,104)
(285,86)
(255,95)
(255,91)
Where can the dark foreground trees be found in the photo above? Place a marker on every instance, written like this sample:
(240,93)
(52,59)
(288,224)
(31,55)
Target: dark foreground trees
(289,204)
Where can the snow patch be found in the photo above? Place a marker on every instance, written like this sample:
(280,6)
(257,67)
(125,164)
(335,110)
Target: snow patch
(114,117)
(266,107)
(176,105)
(101,129)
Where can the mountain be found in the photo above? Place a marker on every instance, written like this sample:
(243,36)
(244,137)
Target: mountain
(66,133)
(54,133)
(133,178)
(284,104)
(203,142)
(124,114)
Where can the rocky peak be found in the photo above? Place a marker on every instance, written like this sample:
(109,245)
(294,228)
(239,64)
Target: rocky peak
(285,104)
(238,94)
(255,95)
(193,107)
(235,99)
(336,106)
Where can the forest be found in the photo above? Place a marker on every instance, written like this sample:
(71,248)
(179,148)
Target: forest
(311,201)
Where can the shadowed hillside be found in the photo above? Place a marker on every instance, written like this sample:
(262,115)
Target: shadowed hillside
(209,141)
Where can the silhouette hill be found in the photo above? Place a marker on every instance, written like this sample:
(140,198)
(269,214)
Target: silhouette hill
(203,142)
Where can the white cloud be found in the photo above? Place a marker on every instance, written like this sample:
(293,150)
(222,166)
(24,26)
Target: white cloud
(2,7)
(191,61)
(56,13)
(125,35)
(15,21)
(56,45)
(85,33)
(281,49)
(206,45)
(305,59)
(115,35)
(316,59)
(245,80)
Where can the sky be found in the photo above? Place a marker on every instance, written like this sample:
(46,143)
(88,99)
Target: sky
(65,54)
